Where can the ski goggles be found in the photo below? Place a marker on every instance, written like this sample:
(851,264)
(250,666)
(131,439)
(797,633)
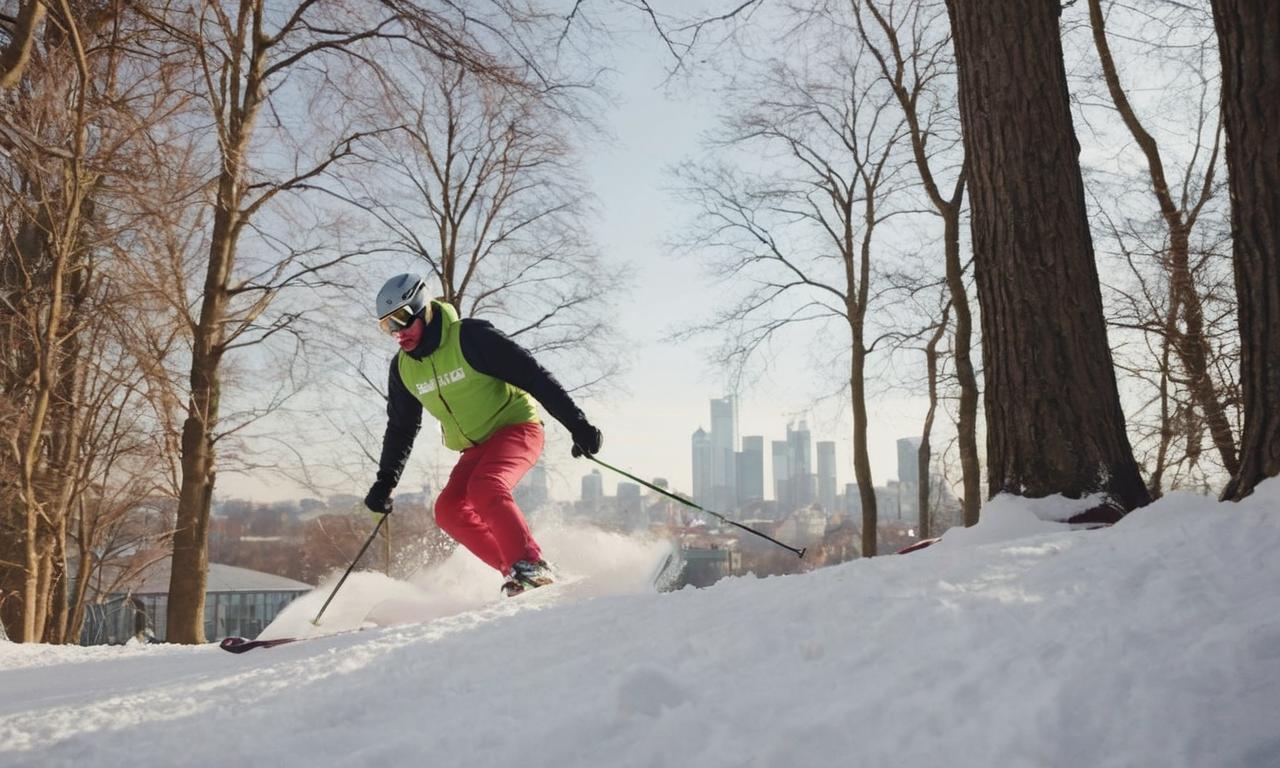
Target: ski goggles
(397,321)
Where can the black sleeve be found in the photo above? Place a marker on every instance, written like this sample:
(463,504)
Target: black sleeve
(493,353)
(404,417)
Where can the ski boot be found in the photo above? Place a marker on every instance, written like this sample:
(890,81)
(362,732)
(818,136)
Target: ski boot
(526,575)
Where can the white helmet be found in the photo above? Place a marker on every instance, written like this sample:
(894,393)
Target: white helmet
(401,299)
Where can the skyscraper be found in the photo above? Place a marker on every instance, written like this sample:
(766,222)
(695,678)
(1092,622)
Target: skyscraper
(724,444)
(702,467)
(827,475)
(782,476)
(751,469)
(592,486)
(908,459)
(804,484)
(908,477)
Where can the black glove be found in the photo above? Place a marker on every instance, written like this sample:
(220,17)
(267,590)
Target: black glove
(378,498)
(586,440)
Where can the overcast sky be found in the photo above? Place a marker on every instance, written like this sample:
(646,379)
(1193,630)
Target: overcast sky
(663,396)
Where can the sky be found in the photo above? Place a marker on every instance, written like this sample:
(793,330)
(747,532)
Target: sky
(651,412)
(670,384)
(1017,643)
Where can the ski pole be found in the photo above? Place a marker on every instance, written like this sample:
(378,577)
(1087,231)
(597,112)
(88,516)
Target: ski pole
(798,552)
(367,542)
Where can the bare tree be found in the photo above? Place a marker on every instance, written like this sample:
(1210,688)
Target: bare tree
(1247,34)
(1185,320)
(479,185)
(911,43)
(51,231)
(1054,419)
(802,235)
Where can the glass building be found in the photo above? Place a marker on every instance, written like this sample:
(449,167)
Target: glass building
(238,602)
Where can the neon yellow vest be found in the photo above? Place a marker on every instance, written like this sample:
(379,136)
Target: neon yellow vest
(469,405)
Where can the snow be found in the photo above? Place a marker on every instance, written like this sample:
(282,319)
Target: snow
(1021,642)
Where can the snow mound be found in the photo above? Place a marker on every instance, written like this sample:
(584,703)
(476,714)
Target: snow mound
(1154,642)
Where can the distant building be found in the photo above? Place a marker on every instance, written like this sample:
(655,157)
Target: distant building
(782,476)
(593,487)
(909,460)
(702,475)
(804,483)
(704,566)
(724,446)
(630,507)
(827,475)
(852,500)
(887,502)
(532,491)
(803,527)
(750,470)
(909,479)
(238,602)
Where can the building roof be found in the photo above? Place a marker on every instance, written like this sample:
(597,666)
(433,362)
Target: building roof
(222,578)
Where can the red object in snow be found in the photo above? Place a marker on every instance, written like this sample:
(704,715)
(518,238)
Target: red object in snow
(919,545)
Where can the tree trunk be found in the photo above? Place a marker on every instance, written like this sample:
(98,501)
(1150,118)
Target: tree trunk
(1055,425)
(46,382)
(967,418)
(1156,484)
(1193,351)
(14,57)
(185,615)
(189,575)
(925,454)
(861,457)
(1248,31)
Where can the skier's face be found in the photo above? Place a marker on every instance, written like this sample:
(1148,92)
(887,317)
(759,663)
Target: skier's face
(410,336)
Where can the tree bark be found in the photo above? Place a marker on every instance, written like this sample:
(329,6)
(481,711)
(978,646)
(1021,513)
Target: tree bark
(1248,31)
(1055,425)
(14,57)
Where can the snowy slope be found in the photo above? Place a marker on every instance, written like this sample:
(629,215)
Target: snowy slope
(1153,643)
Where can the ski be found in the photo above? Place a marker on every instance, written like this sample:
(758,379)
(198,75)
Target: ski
(244,644)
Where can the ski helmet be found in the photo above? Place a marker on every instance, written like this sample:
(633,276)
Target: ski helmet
(401,299)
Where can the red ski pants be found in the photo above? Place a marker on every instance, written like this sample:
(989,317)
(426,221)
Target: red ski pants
(476,507)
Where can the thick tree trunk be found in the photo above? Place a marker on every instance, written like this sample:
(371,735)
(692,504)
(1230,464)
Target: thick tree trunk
(1248,31)
(1055,425)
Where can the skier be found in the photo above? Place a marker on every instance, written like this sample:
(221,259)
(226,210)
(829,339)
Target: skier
(481,386)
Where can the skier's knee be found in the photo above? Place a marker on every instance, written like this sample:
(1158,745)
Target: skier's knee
(487,489)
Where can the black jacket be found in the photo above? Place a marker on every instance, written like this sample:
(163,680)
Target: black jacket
(490,352)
